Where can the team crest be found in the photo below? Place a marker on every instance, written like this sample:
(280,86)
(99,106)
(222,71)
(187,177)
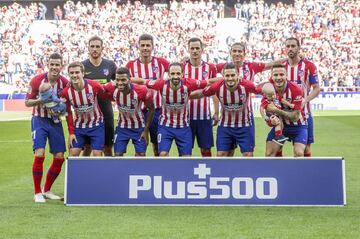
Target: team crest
(205,74)
(90,97)
(106,71)
(246,72)
(134,101)
(155,69)
(301,73)
(242,97)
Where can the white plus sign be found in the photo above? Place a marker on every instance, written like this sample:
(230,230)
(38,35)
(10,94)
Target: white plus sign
(202,171)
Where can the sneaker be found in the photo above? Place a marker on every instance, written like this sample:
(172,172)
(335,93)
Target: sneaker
(39,198)
(51,195)
(280,139)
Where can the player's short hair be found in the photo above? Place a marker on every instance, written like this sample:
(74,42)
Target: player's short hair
(123,70)
(175,64)
(293,39)
(56,56)
(241,44)
(76,64)
(195,39)
(229,65)
(278,66)
(146,37)
(95,38)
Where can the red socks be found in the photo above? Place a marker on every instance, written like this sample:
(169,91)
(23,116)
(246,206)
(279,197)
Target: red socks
(307,154)
(37,171)
(279,153)
(53,172)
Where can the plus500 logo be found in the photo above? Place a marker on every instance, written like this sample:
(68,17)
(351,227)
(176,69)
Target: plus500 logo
(215,188)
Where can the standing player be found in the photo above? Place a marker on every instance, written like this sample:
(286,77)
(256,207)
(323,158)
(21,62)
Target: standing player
(236,125)
(295,125)
(88,125)
(103,71)
(44,126)
(246,69)
(149,67)
(303,72)
(200,115)
(129,98)
(174,118)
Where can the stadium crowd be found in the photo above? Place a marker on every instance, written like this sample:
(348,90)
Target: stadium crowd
(328,31)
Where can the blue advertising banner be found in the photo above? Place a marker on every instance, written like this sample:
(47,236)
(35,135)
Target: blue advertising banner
(282,182)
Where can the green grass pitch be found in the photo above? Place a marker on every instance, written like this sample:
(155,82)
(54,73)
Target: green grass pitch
(337,134)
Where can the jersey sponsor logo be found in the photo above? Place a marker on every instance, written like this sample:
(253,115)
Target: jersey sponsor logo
(204,185)
(298,98)
(87,73)
(84,108)
(106,71)
(174,106)
(126,109)
(233,107)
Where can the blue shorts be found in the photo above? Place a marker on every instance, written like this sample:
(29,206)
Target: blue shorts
(43,128)
(182,137)
(154,125)
(296,134)
(227,137)
(122,137)
(203,131)
(94,135)
(310,130)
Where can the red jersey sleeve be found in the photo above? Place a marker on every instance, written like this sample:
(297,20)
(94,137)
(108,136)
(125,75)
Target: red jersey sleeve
(212,71)
(220,67)
(155,84)
(165,63)
(257,67)
(250,87)
(212,89)
(109,91)
(33,89)
(297,97)
(313,78)
(195,84)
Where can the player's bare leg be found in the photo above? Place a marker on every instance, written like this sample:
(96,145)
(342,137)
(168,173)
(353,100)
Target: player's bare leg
(108,150)
(97,153)
(164,154)
(299,150)
(119,154)
(205,152)
(155,149)
(139,154)
(222,153)
(307,152)
(74,152)
(271,149)
(247,154)
(87,150)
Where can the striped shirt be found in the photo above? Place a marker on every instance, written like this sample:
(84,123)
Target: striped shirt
(129,105)
(33,92)
(85,105)
(235,110)
(175,107)
(199,108)
(304,74)
(151,71)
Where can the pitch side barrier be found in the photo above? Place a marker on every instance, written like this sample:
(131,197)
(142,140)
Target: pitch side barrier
(128,181)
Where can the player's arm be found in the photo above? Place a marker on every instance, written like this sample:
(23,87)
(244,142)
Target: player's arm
(31,99)
(138,80)
(109,91)
(149,103)
(291,115)
(155,84)
(269,65)
(216,110)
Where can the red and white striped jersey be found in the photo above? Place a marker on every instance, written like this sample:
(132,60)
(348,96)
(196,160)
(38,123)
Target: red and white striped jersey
(199,108)
(235,110)
(85,105)
(293,94)
(33,92)
(153,71)
(175,107)
(248,69)
(304,74)
(129,105)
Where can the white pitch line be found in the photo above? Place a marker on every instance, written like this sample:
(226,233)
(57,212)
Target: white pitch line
(15,119)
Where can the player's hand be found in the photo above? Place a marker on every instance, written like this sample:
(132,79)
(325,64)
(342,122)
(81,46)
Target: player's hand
(72,138)
(274,120)
(285,102)
(271,107)
(215,119)
(303,103)
(145,135)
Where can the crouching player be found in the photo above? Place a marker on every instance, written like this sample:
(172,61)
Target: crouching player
(174,118)
(129,98)
(291,113)
(271,119)
(88,124)
(45,125)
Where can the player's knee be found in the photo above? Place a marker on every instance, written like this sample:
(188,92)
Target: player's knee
(139,154)
(108,150)
(164,154)
(247,154)
(119,154)
(58,155)
(298,153)
(222,153)
(39,152)
(269,152)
